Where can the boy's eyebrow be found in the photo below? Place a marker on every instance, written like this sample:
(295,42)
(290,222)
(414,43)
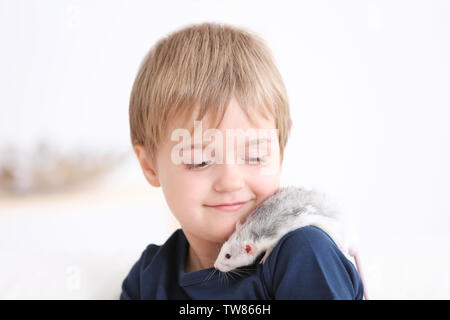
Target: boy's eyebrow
(248,143)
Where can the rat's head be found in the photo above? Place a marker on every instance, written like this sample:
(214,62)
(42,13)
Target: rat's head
(235,254)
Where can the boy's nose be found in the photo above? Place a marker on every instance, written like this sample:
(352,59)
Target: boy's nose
(229,178)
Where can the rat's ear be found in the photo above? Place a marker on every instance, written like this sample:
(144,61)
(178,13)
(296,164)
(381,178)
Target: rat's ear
(147,168)
(249,248)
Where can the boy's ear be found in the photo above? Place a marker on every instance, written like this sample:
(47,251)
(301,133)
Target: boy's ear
(147,168)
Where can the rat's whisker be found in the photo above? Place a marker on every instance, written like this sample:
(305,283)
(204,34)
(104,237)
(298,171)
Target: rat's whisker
(225,276)
(214,271)
(210,275)
(230,277)
(221,278)
(247,269)
(233,272)
(240,273)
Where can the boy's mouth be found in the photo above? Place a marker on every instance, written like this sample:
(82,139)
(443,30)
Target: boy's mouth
(229,206)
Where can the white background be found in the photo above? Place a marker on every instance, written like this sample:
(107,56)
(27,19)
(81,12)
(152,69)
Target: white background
(369,89)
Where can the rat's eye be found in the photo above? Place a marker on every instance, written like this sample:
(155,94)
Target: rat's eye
(228,256)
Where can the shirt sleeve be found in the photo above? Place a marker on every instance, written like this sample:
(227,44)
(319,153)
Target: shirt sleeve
(307,264)
(131,284)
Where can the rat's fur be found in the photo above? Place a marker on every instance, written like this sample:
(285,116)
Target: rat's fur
(286,210)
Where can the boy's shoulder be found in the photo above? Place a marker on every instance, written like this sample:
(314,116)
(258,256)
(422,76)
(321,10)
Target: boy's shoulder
(307,263)
(303,242)
(308,237)
(310,242)
(154,260)
(157,252)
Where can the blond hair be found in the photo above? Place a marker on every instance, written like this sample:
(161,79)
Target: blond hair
(199,69)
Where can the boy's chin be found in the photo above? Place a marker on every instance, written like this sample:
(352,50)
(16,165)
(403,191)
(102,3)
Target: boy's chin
(219,234)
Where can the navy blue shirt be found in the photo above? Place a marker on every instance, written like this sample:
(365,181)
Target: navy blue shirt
(305,264)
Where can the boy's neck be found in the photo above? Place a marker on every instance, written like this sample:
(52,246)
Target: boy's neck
(201,255)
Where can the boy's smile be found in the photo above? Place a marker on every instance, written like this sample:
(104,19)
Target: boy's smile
(228,206)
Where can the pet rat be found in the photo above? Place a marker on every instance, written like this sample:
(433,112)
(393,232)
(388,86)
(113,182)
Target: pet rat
(287,209)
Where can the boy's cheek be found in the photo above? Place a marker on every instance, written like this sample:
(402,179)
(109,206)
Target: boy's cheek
(272,169)
(266,185)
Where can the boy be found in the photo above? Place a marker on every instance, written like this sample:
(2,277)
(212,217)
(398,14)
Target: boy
(221,78)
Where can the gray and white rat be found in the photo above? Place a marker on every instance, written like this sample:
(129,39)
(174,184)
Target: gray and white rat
(287,209)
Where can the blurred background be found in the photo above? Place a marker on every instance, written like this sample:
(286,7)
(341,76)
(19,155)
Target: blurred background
(369,88)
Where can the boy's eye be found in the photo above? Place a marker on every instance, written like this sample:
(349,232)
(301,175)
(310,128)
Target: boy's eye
(203,164)
(257,159)
(198,165)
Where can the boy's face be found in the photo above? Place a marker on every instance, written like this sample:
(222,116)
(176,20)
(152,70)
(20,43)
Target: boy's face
(191,192)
